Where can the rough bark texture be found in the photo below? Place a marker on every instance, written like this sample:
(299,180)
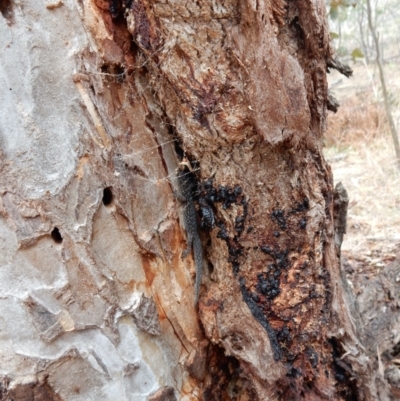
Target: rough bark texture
(104,100)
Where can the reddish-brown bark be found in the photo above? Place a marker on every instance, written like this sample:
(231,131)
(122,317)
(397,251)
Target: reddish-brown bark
(241,88)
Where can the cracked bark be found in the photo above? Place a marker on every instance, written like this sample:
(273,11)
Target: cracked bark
(239,89)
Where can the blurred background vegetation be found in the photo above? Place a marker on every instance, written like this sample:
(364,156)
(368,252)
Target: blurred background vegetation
(359,140)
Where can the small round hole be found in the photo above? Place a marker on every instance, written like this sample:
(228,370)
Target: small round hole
(55,234)
(107,196)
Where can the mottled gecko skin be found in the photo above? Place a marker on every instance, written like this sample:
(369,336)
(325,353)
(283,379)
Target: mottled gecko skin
(186,187)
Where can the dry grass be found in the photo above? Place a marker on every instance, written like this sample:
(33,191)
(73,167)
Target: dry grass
(358,121)
(360,151)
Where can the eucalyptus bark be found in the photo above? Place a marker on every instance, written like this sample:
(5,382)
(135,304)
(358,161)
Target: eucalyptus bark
(97,302)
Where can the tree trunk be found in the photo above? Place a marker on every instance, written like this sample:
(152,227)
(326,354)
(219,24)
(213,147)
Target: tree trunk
(363,34)
(382,77)
(102,101)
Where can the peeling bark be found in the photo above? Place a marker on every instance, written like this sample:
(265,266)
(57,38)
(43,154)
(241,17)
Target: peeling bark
(93,235)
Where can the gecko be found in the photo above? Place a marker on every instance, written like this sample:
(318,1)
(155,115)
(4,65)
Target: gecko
(185,195)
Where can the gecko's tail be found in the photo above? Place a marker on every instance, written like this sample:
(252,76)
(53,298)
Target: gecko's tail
(198,259)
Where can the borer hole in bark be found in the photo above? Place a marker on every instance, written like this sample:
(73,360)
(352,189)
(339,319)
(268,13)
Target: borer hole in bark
(55,234)
(107,196)
(6,10)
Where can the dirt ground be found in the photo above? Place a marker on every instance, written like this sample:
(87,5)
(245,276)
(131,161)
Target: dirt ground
(359,148)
